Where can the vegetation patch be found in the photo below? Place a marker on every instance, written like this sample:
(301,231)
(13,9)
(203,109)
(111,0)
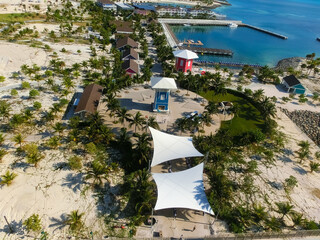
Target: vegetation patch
(248,117)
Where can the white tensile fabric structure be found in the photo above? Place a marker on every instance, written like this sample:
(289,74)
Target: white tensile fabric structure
(185,54)
(182,190)
(163,83)
(168,147)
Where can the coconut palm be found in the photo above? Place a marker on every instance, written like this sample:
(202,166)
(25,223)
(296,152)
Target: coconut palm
(284,208)
(212,107)
(59,128)
(97,171)
(152,122)
(142,148)
(258,94)
(123,115)
(314,166)
(2,154)
(74,221)
(5,109)
(19,139)
(7,178)
(137,121)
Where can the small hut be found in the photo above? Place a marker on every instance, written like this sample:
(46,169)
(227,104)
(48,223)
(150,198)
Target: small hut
(162,87)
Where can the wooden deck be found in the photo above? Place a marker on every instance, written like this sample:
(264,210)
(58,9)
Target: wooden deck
(211,51)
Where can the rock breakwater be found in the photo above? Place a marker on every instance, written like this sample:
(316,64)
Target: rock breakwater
(307,121)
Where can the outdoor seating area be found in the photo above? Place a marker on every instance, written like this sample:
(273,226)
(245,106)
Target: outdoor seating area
(173,196)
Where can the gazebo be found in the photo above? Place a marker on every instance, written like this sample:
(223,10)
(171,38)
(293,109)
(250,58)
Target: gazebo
(184,60)
(162,87)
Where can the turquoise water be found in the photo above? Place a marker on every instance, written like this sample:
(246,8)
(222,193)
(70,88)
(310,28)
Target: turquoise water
(299,20)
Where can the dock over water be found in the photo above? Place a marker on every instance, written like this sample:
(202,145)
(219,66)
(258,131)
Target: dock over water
(226,64)
(212,51)
(206,22)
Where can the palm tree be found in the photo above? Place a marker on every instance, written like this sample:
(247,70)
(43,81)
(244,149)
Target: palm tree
(268,108)
(98,171)
(284,208)
(2,154)
(5,109)
(7,178)
(59,128)
(19,139)
(258,94)
(123,115)
(212,107)
(152,122)
(260,213)
(314,166)
(137,121)
(74,221)
(142,148)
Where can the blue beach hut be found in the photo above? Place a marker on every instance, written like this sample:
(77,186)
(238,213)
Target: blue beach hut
(162,87)
(293,85)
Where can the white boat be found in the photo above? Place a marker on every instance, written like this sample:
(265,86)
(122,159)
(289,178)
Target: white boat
(186,25)
(232,25)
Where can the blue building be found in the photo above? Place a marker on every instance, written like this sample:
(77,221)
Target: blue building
(162,87)
(293,85)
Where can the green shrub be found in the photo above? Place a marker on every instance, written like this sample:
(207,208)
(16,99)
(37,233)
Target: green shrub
(33,93)
(2,78)
(75,162)
(7,178)
(63,50)
(33,223)
(37,105)
(25,85)
(290,183)
(14,92)
(91,148)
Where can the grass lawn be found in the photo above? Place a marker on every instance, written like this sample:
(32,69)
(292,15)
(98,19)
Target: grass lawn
(19,17)
(249,117)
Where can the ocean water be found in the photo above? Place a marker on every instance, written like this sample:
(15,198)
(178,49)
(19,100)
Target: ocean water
(299,20)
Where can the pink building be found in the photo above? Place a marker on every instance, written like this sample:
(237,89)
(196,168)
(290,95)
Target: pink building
(184,60)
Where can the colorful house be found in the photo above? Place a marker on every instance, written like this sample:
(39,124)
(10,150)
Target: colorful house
(162,87)
(131,67)
(184,60)
(293,85)
(130,53)
(126,42)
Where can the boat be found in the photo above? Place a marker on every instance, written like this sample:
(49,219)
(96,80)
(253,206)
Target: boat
(232,25)
(186,25)
(318,39)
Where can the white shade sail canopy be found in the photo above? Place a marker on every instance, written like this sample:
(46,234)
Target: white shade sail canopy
(182,190)
(168,147)
(185,54)
(163,83)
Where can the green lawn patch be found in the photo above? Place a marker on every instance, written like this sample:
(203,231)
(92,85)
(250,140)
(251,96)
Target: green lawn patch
(249,117)
(20,17)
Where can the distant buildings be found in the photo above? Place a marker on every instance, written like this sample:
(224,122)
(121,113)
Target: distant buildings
(107,5)
(182,12)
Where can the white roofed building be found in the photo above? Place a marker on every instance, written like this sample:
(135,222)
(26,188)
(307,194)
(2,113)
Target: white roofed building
(162,87)
(184,60)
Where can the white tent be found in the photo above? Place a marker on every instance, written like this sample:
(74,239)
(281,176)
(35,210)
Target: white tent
(163,83)
(168,147)
(185,54)
(182,190)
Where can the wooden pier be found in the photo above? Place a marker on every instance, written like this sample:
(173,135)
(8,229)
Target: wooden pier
(212,51)
(191,42)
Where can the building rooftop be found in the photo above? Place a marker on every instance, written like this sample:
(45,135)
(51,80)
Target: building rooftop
(145,7)
(185,54)
(126,41)
(105,2)
(90,98)
(131,52)
(130,64)
(291,80)
(163,83)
